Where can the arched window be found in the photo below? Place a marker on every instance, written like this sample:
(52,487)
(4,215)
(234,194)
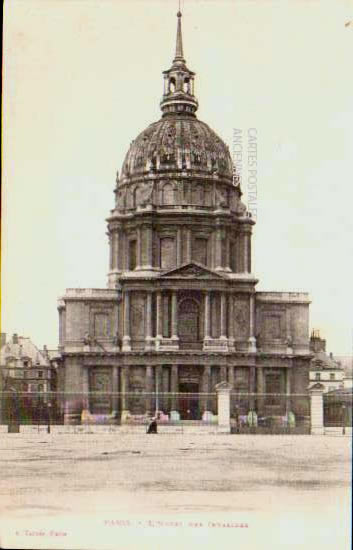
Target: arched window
(186,86)
(172,85)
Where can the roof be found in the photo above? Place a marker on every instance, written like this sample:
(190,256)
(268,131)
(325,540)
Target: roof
(23,348)
(346,362)
(323,361)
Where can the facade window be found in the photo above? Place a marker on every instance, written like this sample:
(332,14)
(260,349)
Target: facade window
(167,260)
(132,255)
(25,363)
(332,375)
(317,376)
(168,194)
(40,374)
(40,387)
(200,251)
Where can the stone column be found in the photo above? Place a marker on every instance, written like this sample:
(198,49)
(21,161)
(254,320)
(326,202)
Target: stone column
(231,338)
(174,415)
(206,382)
(223,316)
(159,319)
(148,336)
(260,390)
(126,331)
(124,391)
(317,410)
(179,260)
(246,252)
(223,374)
(111,251)
(227,266)
(252,339)
(158,388)
(288,390)
(207,319)
(223,407)
(85,390)
(188,245)
(138,249)
(174,316)
(218,249)
(252,374)
(149,389)
(115,389)
(231,376)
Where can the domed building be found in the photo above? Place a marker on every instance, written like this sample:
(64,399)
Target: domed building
(181,312)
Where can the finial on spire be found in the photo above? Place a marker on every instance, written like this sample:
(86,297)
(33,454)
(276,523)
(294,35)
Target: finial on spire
(179,56)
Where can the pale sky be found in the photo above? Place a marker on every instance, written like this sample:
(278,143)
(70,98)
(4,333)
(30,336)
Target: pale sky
(83,78)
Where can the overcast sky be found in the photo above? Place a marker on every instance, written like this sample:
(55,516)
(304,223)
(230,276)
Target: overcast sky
(83,78)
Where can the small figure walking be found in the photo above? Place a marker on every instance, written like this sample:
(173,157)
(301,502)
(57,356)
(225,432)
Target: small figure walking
(152,426)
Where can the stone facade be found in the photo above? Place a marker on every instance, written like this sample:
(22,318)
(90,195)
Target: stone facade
(181,313)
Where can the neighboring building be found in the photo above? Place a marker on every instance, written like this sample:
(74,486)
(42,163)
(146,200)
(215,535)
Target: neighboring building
(27,371)
(346,362)
(324,368)
(181,312)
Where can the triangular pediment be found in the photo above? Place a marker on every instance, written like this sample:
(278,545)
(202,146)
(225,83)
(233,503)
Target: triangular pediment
(192,270)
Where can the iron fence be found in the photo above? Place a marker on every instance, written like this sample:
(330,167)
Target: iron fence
(249,413)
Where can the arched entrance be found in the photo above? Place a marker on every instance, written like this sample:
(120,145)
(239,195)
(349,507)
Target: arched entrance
(189,323)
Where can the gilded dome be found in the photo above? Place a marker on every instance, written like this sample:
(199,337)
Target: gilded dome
(178,143)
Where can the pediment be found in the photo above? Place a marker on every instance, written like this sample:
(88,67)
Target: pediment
(192,270)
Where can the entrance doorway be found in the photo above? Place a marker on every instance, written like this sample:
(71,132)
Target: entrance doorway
(189,404)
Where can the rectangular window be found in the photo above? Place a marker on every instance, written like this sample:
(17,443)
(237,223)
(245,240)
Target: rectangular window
(167,260)
(200,250)
(332,376)
(101,325)
(40,374)
(317,376)
(132,255)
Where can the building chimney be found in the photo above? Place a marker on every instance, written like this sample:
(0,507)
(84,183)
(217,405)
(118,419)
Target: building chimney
(3,339)
(15,339)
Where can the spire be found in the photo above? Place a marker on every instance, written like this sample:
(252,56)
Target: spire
(179,56)
(178,97)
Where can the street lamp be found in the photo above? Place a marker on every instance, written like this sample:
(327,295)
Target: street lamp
(343,419)
(49,416)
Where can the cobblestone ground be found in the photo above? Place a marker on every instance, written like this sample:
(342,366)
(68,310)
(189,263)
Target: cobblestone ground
(152,491)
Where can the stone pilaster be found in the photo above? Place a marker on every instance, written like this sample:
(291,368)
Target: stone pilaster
(223,316)
(115,390)
(85,389)
(252,339)
(179,260)
(159,319)
(218,249)
(174,389)
(252,390)
(126,331)
(231,338)
(174,316)
(206,383)
(148,335)
(260,390)
(124,391)
(207,317)
(149,389)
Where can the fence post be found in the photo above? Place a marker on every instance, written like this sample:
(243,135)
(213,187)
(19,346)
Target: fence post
(317,410)
(223,390)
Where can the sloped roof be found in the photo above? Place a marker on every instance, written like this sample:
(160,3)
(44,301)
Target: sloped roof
(22,349)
